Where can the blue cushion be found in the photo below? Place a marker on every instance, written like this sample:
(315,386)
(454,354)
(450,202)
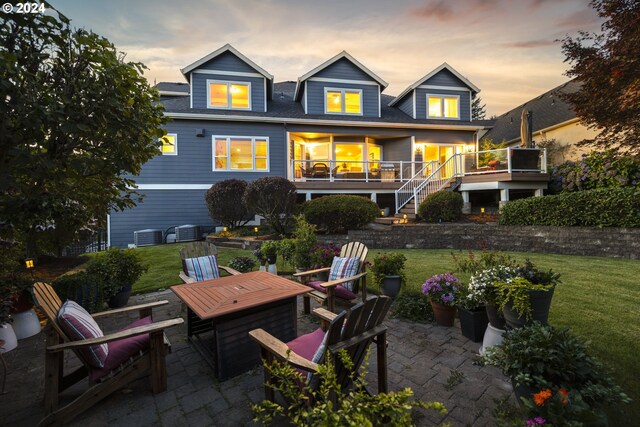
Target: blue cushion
(344,267)
(202,268)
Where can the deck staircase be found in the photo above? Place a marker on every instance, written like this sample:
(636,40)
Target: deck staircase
(430,178)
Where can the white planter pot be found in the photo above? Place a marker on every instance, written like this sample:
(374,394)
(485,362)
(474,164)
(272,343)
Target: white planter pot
(9,337)
(492,337)
(262,268)
(272,269)
(26,324)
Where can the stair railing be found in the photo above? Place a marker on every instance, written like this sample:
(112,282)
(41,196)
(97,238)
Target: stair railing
(443,175)
(405,193)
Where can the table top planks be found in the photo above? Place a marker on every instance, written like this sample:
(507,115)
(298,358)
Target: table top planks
(213,298)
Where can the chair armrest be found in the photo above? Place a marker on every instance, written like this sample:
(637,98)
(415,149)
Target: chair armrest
(185,278)
(139,330)
(336,282)
(132,308)
(281,351)
(229,270)
(310,272)
(324,314)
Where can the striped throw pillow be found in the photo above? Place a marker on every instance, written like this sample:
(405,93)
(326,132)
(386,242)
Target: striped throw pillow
(344,267)
(202,268)
(79,325)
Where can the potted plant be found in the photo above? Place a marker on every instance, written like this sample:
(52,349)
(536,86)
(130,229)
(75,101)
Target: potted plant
(538,358)
(7,290)
(443,293)
(270,251)
(262,260)
(473,316)
(84,288)
(117,270)
(388,272)
(482,290)
(526,297)
(25,320)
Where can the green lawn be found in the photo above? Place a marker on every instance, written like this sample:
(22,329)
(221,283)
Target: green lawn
(599,299)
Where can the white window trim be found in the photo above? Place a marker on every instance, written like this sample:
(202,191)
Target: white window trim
(175,145)
(441,96)
(228,83)
(253,153)
(342,91)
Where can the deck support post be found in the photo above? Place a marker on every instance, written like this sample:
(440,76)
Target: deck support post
(374,197)
(466,207)
(308,196)
(539,192)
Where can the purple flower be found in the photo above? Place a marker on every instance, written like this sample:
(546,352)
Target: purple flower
(539,420)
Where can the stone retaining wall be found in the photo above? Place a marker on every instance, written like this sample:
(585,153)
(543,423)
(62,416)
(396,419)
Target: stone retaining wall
(606,242)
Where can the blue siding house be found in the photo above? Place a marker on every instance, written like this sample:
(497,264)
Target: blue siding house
(331,131)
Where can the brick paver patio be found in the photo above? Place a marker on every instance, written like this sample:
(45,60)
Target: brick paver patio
(420,356)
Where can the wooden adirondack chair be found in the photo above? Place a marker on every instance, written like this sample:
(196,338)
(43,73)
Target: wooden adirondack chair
(352,330)
(198,249)
(350,250)
(151,360)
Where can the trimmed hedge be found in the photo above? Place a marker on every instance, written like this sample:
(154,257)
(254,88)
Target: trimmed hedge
(610,207)
(441,206)
(339,213)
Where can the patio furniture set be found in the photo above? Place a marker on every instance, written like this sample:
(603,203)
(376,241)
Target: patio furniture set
(233,321)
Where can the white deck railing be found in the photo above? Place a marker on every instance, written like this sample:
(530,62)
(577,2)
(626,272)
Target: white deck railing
(364,171)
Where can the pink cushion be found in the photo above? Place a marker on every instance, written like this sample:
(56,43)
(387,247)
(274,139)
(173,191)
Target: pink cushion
(121,350)
(340,291)
(306,345)
(79,325)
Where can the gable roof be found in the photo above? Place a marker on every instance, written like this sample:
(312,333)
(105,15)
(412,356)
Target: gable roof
(549,110)
(343,54)
(226,48)
(444,65)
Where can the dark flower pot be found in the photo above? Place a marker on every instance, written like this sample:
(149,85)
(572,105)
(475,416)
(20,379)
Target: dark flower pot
(495,316)
(271,259)
(121,298)
(473,323)
(391,286)
(540,304)
(444,314)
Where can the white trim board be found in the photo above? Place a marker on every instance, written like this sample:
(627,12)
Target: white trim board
(284,120)
(462,89)
(353,82)
(172,186)
(226,48)
(228,73)
(172,93)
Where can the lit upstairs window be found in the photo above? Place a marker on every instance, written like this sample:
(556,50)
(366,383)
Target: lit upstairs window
(170,144)
(443,107)
(343,101)
(229,95)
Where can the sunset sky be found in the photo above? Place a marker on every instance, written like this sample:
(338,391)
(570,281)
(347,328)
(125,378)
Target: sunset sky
(507,48)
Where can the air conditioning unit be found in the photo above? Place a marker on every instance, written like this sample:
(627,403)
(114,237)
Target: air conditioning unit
(187,233)
(148,237)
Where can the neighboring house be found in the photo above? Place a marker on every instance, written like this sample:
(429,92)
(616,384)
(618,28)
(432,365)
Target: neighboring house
(555,125)
(331,131)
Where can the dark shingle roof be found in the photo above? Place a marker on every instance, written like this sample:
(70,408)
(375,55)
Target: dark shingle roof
(283,106)
(173,87)
(548,109)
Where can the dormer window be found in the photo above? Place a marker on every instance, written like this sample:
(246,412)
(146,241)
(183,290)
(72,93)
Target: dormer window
(229,95)
(443,107)
(343,101)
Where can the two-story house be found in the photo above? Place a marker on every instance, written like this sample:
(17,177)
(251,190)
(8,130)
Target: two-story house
(331,131)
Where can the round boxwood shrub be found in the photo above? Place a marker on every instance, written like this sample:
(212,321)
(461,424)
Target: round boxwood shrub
(339,213)
(609,207)
(225,204)
(441,206)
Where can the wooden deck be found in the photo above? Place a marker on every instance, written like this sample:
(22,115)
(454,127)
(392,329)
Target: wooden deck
(505,176)
(347,185)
